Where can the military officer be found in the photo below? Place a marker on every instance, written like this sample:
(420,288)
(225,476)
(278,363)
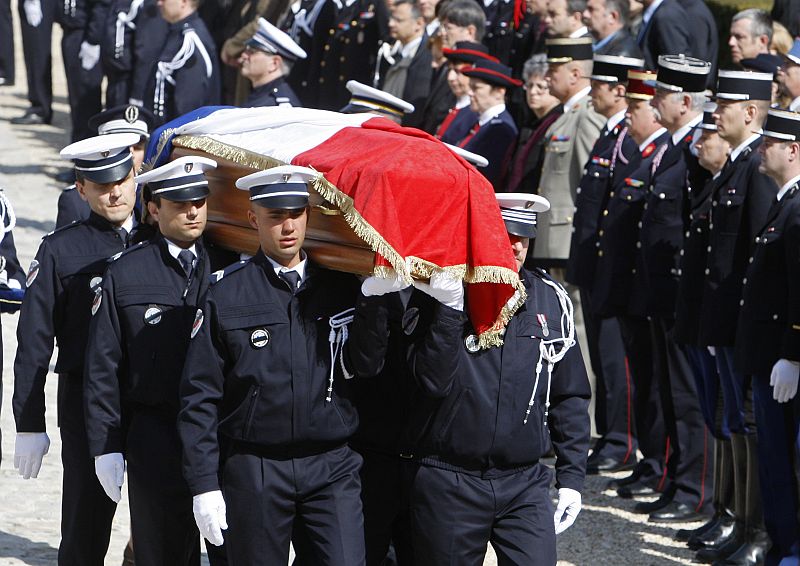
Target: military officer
(121,119)
(613,283)
(616,448)
(62,286)
(494,134)
(364,98)
(137,343)
(36,19)
(739,204)
(767,334)
(678,101)
(477,431)
(265,62)
(264,394)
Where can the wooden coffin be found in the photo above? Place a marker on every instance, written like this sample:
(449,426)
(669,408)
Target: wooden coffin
(330,241)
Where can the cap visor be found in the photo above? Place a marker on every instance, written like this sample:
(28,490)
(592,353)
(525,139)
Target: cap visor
(186,195)
(520,229)
(110,175)
(286,202)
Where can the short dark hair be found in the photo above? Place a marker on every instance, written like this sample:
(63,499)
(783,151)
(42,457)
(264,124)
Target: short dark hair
(415,11)
(576,6)
(465,13)
(621,7)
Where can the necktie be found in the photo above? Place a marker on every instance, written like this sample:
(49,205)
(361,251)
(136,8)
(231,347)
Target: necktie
(292,279)
(470,135)
(186,259)
(123,235)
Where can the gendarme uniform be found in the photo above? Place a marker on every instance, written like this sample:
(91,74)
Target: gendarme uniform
(617,445)
(265,403)
(273,41)
(768,344)
(137,346)
(64,281)
(477,432)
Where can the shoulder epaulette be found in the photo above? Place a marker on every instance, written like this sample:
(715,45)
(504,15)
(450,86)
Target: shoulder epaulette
(70,188)
(118,255)
(66,227)
(217,276)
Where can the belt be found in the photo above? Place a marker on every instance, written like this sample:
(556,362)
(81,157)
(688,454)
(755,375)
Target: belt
(283,452)
(483,473)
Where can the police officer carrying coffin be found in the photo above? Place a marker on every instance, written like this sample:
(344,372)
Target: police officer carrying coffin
(616,448)
(137,343)
(613,282)
(768,334)
(366,99)
(63,282)
(264,397)
(119,120)
(476,433)
(266,61)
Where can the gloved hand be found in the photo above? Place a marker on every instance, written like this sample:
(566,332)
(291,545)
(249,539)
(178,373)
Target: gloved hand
(110,471)
(784,380)
(33,13)
(29,449)
(567,509)
(89,55)
(445,289)
(712,350)
(209,514)
(377,286)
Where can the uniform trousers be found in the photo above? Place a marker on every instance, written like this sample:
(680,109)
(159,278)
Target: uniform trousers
(36,49)
(647,411)
(689,461)
(6,42)
(709,392)
(454,515)
(736,393)
(319,493)
(613,401)
(118,88)
(83,86)
(777,428)
(86,510)
(162,523)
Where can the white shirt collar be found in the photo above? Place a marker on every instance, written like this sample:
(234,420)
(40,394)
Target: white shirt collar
(736,152)
(462,102)
(612,122)
(432,27)
(175,249)
(787,186)
(686,128)
(575,98)
(651,9)
(795,104)
(300,268)
(410,49)
(580,32)
(491,113)
(652,138)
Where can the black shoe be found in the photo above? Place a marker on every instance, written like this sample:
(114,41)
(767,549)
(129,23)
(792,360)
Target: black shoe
(688,535)
(752,553)
(30,119)
(66,177)
(637,489)
(653,506)
(6,82)
(719,554)
(627,480)
(676,512)
(605,464)
(724,529)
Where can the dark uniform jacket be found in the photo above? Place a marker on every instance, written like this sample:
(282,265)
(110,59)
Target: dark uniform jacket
(769,318)
(274,93)
(622,45)
(88,15)
(499,34)
(300,27)
(592,195)
(258,367)
(71,207)
(742,197)
(703,35)
(457,124)
(63,283)
(495,141)
(619,227)
(139,335)
(472,418)
(525,168)
(666,33)
(440,100)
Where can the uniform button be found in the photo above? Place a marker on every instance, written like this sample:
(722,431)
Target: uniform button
(605,212)
(707,271)
(341,78)
(596,244)
(645,206)
(341,59)
(744,281)
(681,252)
(679,272)
(611,194)
(640,223)
(600,253)
(574,209)
(578,191)
(713,203)
(741,303)
(710,227)
(572,230)
(691,217)
(774,317)
(596,174)
(322,63)
(322,80)
(600,233)
(327,48)
(728,203)
(687,234)
(331,32)
(354,23)
(585,171)
(629,197)
(750,260)
(708,249)
(662,196)
(699,230)
(633,271)
(638,244)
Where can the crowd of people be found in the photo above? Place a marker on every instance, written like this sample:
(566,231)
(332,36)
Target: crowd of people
(644,190)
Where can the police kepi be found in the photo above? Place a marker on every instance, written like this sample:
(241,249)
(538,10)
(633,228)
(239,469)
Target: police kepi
(365,98)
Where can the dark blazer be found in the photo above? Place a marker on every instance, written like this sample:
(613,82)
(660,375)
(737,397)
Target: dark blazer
(499,34)
(274,93)
(440,100)
(495,141)
(667,33)
(704,37)
(622,44)
(459,126)
(417,87)
(787,12)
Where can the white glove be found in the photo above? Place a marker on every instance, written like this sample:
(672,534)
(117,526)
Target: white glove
(712,350)
(89,55)
(569,505)
(209,514)
(784,380)
(445,289)
(377,286)
(29,450)
(33,13)
(110,471)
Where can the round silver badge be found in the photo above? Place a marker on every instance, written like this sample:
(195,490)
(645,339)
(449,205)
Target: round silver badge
(152,315)
(259,338)
(94,284)
(471,343)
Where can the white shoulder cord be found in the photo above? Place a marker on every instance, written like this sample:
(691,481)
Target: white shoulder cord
(191,41)
(7,217)
(547,348)
(125,20)
(336,340)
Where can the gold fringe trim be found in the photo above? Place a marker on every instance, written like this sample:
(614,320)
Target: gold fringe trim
(238,155)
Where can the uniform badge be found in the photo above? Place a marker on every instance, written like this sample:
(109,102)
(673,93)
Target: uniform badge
(95,285)
(471,343)
(259,338)
(198,322)
(188,167)
(543,323)
(33,271)
(98,298)
(152,315)
(648,151)
(410,320)
(105,153)
(131,114)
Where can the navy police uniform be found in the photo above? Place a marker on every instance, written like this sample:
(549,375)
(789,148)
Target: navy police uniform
(36,49)
(274,93)
(71,207)
(6,44)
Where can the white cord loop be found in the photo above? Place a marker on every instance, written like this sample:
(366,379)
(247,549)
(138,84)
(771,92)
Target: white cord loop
(337,339)
(191,42)
(125,20)
(7,217)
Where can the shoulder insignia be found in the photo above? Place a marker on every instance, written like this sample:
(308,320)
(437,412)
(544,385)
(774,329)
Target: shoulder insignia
(648,151)
(559,138)
(688,138)
(118,255)
(70,188)
(33,271)
(217,276)
(631,182)
(67,227)
(198,322)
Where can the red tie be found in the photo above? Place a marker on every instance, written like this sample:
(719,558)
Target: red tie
(451,115)
(470,135)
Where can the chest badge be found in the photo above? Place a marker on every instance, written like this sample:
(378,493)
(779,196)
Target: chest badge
(543,323)
(33,271)
(198,322)
(95,284)
(152,315)
(471,343)
(98,298)
(259,338)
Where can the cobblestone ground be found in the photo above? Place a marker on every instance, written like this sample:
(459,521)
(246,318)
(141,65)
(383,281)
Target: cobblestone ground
(607,531)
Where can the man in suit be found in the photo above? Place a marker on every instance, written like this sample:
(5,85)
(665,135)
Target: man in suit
(751,34)
(665,29)
(607,21)
(565,18)
(404,68)
(703,35)
(6,44)
(789,75)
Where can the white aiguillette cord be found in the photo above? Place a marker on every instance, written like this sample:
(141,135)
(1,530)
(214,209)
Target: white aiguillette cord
(336,339)
(7,217)
(125,20)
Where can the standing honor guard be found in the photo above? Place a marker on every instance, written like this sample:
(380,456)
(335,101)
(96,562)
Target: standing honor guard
(63,286)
